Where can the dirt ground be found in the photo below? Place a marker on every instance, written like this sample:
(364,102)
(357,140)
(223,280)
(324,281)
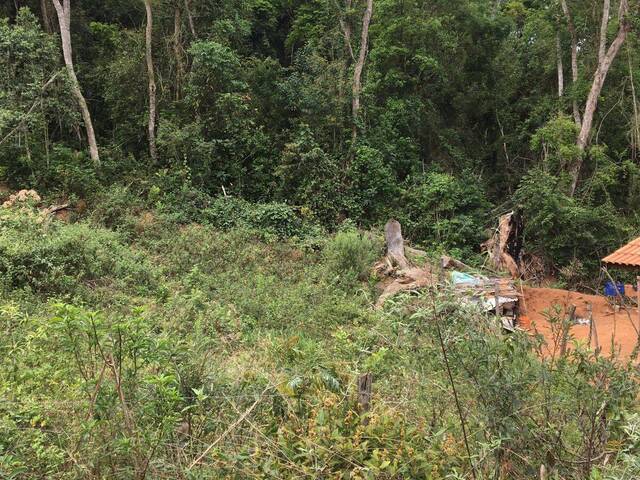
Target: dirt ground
(617,326)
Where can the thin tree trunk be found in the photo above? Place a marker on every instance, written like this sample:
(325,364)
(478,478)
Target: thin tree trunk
(63,11)
(192,27)
(177,49)
(560,66)
(574,58)
(357,73)
(46,16)
(152,83)
(600,76)
(602,47)
(346,30)
(635,129)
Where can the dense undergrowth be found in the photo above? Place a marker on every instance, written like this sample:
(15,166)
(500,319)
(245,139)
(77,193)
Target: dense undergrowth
(171,349)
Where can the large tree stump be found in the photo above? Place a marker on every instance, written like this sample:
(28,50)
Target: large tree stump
(395,244)
(402,274)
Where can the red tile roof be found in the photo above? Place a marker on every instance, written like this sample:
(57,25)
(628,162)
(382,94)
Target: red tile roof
(628,256)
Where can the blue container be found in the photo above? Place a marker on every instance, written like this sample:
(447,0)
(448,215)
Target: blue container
(613,289)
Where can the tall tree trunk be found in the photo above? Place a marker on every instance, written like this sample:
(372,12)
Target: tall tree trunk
(357,73)
(178,50)
(560,66)
(153,151)
(63,11)
(604,64)
(574,58)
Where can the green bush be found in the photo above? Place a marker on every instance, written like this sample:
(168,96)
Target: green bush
(441,209)
(115,207)
(60,258)
(564,228)
(351,254)
(272,218)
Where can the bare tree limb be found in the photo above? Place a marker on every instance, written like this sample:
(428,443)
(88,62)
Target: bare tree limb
(192,27)
(35,104)
(346,30)
(596,87)
(229,429)
(560,66)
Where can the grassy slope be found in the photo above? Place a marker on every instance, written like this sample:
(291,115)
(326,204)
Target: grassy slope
(194,326)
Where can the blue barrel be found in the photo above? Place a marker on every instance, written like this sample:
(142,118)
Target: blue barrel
(613,289)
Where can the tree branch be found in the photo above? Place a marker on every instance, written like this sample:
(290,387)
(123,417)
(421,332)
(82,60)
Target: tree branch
(26,115)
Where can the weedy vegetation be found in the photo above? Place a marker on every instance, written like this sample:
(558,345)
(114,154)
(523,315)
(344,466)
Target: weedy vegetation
(194,351)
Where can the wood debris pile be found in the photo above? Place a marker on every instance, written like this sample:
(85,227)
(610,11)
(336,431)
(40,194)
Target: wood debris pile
(22,196)
(505,245)
(491,294)
(26,197)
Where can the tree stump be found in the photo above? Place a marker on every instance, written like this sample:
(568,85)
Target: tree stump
(364,394)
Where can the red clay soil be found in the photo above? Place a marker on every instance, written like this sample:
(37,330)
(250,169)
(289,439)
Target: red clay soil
(619,326)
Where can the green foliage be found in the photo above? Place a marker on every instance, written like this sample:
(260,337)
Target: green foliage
(561,227)
(254,101)
(271,218)
(309,176)
(241,325)
(34,93)
(350,255)
(445,210)
(57,259)
(557,141)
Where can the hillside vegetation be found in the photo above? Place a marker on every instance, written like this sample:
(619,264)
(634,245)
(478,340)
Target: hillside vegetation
(190,293)
(442,114)
(184,350)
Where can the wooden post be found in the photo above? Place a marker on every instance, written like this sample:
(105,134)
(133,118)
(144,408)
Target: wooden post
(364,394)
(590,318)
(638,302)
(566,325)
(596,342)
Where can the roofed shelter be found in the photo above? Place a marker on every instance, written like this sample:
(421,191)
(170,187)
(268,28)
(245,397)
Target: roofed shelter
(627,256)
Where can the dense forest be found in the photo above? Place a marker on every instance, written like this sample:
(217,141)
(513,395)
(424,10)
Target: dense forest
(186,288)
(443,114)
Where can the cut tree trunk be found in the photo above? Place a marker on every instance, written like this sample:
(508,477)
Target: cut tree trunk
(63,11)
(504,239)
(402,275)
(153,151)
(395,244)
